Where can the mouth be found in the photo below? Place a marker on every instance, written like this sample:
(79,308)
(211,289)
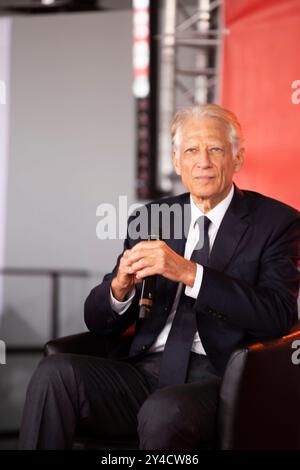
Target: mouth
(204,178)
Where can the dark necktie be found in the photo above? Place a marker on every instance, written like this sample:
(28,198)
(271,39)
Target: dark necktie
(175,359)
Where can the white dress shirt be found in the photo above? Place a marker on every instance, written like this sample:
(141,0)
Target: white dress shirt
(216,216)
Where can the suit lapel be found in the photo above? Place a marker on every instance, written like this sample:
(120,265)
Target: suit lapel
(230,232)
(181,225)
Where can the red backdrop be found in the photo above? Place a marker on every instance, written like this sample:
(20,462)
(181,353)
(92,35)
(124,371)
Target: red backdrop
(260,61)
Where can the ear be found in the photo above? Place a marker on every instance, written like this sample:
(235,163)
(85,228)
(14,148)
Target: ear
(238,160)
(176,163)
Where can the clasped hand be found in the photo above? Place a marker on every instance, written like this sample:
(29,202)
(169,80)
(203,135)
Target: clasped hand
(148,258)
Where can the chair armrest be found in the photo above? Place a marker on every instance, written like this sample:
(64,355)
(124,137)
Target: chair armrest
(90,344)
(260,396)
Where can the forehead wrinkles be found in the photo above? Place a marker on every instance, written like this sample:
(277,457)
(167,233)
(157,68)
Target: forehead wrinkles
(204,135)
(209,137)
(209,129)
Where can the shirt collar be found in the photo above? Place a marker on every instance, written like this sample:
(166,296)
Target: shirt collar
(216,214)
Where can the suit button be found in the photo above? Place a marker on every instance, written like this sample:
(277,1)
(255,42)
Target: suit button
(144,348)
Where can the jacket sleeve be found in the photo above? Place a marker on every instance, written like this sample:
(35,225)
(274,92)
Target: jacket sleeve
(98,314)
(268,308)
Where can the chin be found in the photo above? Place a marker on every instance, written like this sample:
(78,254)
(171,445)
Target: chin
(205,191)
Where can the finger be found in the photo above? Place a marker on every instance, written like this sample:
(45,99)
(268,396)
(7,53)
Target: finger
(141,264)
(125,262)
(154,251)
(125,267)
(137,255)
(149,271)
(126,254)
(148,245)
(131,258)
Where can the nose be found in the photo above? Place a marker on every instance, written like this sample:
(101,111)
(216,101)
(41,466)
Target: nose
(203,159)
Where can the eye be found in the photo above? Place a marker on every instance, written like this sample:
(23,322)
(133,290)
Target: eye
(216,150)
(191,150)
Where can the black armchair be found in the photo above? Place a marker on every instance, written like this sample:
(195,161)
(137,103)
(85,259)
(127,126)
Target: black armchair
(259,397)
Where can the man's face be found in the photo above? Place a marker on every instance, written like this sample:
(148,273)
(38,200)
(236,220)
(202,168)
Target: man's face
(205,160)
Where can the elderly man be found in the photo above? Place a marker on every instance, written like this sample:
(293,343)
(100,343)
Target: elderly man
(230,278)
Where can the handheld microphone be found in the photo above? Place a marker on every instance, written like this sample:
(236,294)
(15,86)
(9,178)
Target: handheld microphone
(147,295)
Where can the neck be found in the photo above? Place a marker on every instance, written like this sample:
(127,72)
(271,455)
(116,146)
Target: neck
(206,204)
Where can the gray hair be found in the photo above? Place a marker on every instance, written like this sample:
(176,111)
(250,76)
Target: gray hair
(198,111)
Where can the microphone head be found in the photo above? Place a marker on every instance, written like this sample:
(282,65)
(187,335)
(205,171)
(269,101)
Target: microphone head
(153,237)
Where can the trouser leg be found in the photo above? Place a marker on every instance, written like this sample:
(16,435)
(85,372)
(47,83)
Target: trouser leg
(181,417)
(67,389)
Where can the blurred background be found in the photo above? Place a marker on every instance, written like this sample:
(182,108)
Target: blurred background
(87,93)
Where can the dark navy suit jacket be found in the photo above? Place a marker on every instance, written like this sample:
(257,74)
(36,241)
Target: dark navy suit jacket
(249,289)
